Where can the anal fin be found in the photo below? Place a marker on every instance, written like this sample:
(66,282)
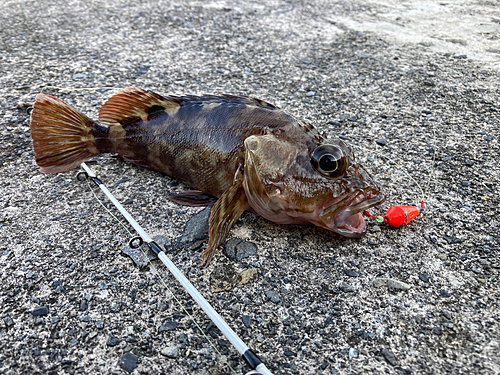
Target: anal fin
(195,198)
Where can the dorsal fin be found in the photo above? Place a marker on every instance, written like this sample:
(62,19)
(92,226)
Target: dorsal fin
(311,130)
(250,101)
(133,103)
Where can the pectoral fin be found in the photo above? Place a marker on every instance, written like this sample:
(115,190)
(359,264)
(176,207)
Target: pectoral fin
(226,211)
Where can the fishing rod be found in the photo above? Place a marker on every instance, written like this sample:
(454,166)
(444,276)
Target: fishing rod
(258,368)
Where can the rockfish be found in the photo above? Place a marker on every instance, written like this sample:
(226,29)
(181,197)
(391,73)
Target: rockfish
(248,153)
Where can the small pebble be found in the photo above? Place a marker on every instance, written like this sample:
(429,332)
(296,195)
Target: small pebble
(78,76)
(389,357)
(424,277)
(381,141)
(113,340)
(128,362)
(346,288)
(444,293)
(168,326)
(248,276)
(273,296)
(390,283)
(246,320)
(353,353)
(352,273)
(446,314)
(41,311)
(170,351)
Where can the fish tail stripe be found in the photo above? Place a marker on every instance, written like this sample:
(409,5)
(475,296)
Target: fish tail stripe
(62,136)
(131,104)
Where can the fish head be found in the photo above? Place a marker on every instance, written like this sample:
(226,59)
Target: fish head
(292,182)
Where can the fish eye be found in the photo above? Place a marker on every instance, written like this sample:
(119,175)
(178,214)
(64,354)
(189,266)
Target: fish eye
(329,160)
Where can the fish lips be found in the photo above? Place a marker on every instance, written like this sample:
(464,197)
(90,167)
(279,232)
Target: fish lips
(349,221)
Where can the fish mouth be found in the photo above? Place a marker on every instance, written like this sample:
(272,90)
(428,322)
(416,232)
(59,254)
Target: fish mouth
(348,221)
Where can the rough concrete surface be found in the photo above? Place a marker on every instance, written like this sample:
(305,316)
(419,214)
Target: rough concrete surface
(413,81)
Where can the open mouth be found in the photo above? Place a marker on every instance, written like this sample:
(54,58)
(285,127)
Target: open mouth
(349,221)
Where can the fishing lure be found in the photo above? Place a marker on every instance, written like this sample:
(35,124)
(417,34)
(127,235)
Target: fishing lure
(399,215)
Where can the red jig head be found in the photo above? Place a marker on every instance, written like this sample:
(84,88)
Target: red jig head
(397,216)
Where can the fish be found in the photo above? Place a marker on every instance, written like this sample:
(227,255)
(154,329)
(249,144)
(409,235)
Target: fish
(238,153)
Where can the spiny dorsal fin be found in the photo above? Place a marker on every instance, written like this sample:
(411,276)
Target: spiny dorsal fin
(250,101)
(311,130)
(133,103)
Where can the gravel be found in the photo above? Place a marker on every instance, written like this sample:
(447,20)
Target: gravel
(364,72)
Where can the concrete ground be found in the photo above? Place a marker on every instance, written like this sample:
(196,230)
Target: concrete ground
(417,81)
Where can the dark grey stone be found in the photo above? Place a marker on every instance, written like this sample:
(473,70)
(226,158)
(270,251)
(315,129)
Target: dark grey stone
(8,321)
(389,357)
(83,305)
(381,141)
(246,320)
(196,229)
(230,248)
(236,249)
(40,311)
(346,288)
(352,273)
(128,362)
(424,277)
(168,326)
(273,295)
(444,293)
(113,340)
(245,249)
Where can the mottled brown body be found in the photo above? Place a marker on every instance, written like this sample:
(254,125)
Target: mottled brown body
(248,153)
(201,140)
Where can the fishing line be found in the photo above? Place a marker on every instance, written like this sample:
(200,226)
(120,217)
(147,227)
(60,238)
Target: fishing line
(399,215)
(154,270)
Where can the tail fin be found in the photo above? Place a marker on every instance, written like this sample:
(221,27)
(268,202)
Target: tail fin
(62,136)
